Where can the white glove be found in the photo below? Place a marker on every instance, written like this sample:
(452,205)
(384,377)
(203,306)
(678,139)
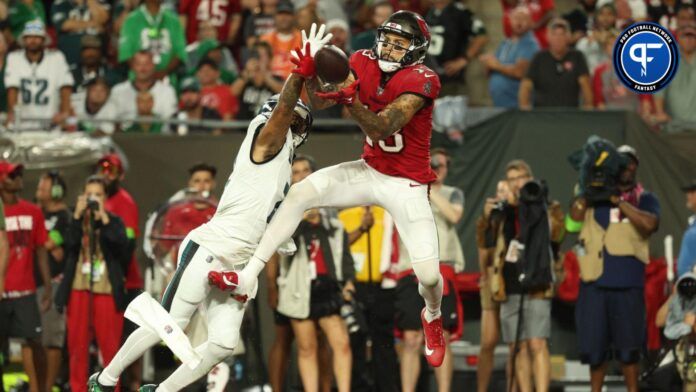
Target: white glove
(316,39)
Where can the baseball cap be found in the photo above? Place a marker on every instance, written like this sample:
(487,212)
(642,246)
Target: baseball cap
(190,84)
(691,186)
(110,161)
(285,6)
(34,28)
(90,41)
(559,22)
(629,151)
(7,168)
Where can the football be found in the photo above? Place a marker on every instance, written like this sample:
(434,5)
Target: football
(331,64)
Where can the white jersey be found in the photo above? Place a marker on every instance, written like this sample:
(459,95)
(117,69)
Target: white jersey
(38,83)
(252,194)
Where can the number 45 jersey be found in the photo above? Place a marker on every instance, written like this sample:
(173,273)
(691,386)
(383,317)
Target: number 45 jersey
(38,83)
(406,153)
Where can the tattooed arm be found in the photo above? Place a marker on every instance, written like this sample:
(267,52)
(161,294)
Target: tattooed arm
(317,103)
(272,136)
(379,126)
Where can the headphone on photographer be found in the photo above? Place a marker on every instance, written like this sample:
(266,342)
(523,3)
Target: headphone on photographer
(57,185)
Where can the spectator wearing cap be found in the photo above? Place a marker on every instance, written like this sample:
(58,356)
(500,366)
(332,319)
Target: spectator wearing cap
(95,111)
(260,22)
(38,81)
(511,60)
(75,18)
(687,253)
(192,109)
(153,28)
(213,94)
(557,76)
(381,11)
(614,240)
(207,46)
(92,65)
(50,195)
(92,291)
(255,84)
(23,11)
(674,103)
(120,203)
(125,94)
(541,12)
(19,309)
(283,39)
(225,16)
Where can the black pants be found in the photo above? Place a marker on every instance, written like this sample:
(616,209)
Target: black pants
(381,373)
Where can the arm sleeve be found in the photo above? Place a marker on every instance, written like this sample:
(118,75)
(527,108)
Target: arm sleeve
(178,39)
(457,197)
(128,42)
(40,235)
(12,78)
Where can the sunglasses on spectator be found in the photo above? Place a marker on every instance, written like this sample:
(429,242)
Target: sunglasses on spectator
(108,168)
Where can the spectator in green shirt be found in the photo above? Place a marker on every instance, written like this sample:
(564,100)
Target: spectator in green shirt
(74,19)
(153,28)
(23,11)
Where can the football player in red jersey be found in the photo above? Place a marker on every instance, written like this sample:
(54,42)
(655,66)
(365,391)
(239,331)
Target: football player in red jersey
(390,94)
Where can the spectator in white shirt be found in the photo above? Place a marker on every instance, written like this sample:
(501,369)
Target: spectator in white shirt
(95,107)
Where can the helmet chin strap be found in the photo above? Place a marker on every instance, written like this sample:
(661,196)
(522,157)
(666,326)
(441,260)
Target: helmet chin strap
(388,66)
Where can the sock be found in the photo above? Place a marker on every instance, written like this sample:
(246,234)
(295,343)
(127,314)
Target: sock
(211,354)
(433,299)
(135,346)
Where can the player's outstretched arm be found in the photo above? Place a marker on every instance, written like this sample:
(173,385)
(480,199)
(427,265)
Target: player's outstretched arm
(379,126)
(314,101)
(272,136)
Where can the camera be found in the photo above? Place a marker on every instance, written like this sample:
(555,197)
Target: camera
(92,203)
(534,192)
(353,317)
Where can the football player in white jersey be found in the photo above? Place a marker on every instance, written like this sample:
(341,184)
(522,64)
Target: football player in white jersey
(258,183)
(38,81)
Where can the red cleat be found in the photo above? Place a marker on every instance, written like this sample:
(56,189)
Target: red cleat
(434,340)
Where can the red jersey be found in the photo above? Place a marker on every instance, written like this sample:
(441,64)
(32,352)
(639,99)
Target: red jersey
(26,230)
(181,218)
(537,9)
(217,12)
(406,153)
(122,205)
(220,98)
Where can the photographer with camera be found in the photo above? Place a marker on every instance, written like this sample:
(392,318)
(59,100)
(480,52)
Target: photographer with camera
(92,290)
(447,203)
(527,235)
(618,216)
(312,287)
(681,327)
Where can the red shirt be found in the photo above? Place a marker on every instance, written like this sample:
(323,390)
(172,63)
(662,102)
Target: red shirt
(537,9)
(26,230)
(406,153)
(317,256)
(181,218)
(220,98)
(122,205)
(217,12)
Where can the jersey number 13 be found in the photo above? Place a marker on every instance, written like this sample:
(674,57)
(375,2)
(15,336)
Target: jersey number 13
(393,144)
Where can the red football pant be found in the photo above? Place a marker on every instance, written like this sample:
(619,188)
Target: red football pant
(107,323)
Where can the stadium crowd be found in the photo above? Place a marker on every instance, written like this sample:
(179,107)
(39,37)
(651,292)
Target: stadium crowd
(127,66)
(220,59)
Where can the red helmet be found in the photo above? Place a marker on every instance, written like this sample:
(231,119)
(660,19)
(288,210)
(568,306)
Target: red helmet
(411,26)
